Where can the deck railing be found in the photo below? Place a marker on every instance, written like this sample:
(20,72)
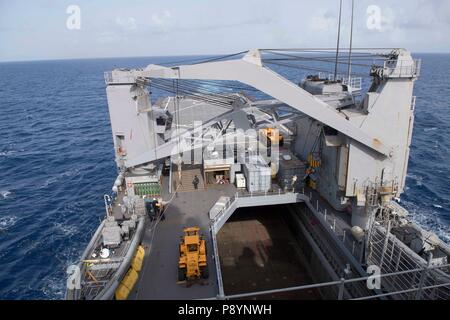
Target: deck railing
(244,194)
(408,279)
(415,292)
(402,68)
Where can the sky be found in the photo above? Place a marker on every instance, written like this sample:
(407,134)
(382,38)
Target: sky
(53,29)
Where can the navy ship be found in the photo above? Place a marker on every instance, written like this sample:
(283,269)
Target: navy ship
(221,194)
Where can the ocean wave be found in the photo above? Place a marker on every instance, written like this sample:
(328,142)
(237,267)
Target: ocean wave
(67,230)
(10,149)
(66,174)
(7,153)
(53,288)
(5,194)
(429,219)
(418,179)
(430,129)
(7,222)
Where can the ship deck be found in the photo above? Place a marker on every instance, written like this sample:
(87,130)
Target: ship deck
(158,278)
(159,275)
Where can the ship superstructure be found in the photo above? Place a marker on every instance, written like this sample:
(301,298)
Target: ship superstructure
(333,154)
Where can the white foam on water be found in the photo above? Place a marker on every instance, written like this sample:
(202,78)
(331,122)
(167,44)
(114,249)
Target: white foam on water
(69,173)
(65,229)
(429,219)
(7,222)
(54,288)
(4,194)
(418,179)
(7,153)
(430,129)
(10,150)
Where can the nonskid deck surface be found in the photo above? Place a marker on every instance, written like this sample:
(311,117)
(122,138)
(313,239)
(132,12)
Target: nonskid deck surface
(158,278)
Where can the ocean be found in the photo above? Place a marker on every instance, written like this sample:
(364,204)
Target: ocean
(57,162)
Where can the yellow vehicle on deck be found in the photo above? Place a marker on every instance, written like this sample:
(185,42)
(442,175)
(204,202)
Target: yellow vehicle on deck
(273,136)
(192,264)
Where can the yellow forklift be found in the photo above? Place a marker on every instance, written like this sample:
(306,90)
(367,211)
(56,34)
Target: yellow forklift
(192,265)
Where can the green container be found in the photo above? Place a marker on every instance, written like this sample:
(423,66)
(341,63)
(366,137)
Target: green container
(147,189)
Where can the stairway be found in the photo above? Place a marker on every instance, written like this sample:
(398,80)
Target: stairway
(187,176)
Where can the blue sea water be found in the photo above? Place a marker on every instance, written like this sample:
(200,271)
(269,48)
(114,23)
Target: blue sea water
(57,161)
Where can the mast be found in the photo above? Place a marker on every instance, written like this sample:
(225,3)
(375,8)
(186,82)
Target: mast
(350,48)
(338,36)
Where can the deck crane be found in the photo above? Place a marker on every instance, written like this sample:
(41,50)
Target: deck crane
(371,154)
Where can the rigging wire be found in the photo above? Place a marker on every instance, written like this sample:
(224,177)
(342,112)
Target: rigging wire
(195,96)
(204,60)
(203,98)
(224,85)
(190,87)
(187,88)
(201,89)
(303,67)
(217,58)
(319,59)
(326,49)
(325,58)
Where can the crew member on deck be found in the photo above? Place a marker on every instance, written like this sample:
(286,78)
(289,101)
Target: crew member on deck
(195,182)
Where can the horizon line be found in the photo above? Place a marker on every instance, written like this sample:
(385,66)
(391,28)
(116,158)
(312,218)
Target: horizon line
(162,56)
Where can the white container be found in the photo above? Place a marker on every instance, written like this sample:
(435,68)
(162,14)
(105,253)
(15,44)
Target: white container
(251,177)
(240,180)
(258,177)
(265,178)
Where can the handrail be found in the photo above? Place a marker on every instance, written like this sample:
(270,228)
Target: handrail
(238,195)
(343,282)
(395,68)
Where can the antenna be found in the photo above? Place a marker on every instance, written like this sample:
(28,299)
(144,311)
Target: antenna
(350,49)
(338,36)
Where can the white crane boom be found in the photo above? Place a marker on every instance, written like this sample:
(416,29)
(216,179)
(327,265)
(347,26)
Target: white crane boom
(249,70)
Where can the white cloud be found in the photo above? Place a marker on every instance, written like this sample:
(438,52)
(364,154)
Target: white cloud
(323,22)
(29,30)
(162,22)
(127,24)
(109,37)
